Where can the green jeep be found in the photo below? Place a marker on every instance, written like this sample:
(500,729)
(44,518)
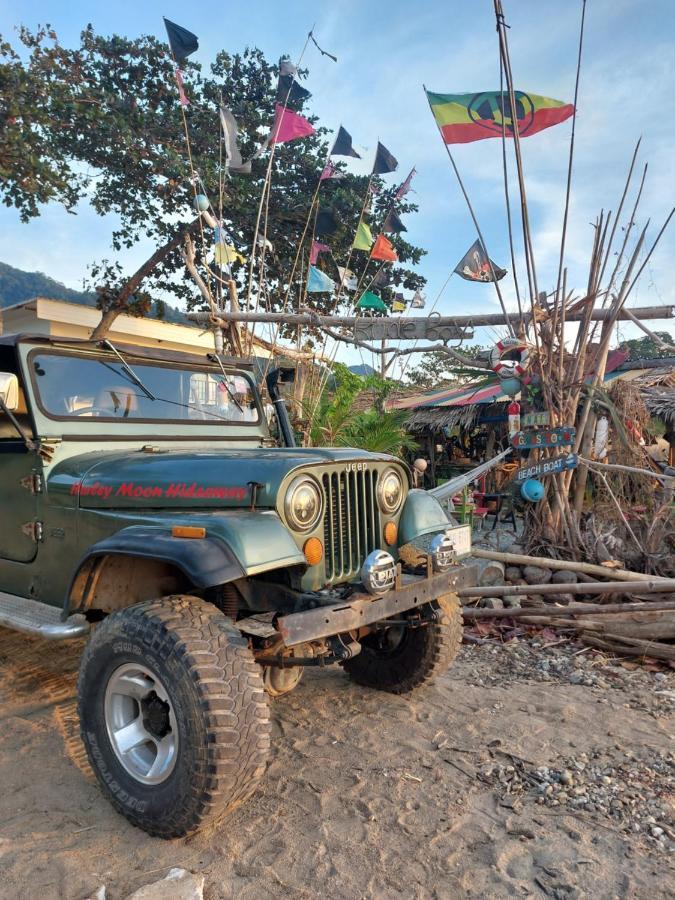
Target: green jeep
(145,502)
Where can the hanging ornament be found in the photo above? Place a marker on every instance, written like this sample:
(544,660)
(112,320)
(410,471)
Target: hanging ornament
(201,202)
(513,410)
(532,490)
(511,386)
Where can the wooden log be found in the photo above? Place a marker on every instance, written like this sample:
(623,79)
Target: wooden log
(630,647)
(657,625)
(563,612)
(601,587)
(520,559)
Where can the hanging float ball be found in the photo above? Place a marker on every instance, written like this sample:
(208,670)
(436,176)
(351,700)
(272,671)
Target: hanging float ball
(201,202)
(420,465)
(510,386)
(532,490)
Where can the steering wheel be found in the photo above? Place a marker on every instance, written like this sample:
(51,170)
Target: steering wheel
(92,411)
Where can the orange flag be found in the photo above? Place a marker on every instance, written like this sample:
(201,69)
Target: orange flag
(382,249)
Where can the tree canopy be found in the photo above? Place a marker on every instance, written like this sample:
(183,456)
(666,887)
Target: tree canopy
(101,124)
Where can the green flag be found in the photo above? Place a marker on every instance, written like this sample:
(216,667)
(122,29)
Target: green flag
(369,300)
(363,239)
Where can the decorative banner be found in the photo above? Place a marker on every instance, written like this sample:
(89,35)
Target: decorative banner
(475,265)
(383,250)
(548,467)
(371,301)
(549,437)
(384,161)
(534,419)
(393,224)
(288,89)
(463,118)
(348,279)
(363,240)
(326,223)
(232,153)
(331,171)
(318,282)
(405,187)
(418,301)
(343,145)
(289,126)
(317,247)
(181,41)
(398,306)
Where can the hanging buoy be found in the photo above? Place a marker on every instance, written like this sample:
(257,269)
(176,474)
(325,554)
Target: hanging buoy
(201,202)
(509,357)
(532,490)
(513,409)
(511,386)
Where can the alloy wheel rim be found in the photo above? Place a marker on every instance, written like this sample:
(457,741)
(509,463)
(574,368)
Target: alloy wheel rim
(141,723)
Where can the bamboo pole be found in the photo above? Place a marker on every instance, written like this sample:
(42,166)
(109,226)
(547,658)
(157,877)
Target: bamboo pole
(520,559)
(564,612)
(653,586)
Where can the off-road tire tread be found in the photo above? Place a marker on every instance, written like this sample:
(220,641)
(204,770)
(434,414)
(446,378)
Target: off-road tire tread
(217,659)
(439,643)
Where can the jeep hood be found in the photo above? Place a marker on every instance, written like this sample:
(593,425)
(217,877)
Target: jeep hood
(188,479)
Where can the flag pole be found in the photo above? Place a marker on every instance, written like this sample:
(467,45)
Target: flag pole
(473,217)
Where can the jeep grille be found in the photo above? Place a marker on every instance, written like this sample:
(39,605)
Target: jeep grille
(351,524)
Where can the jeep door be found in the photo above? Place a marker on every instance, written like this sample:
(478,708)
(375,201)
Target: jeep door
(19,470)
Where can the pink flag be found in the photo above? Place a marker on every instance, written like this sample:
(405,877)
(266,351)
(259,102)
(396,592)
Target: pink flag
(405,187)
(181,89)
(288,126)
(317,248)
(331,171)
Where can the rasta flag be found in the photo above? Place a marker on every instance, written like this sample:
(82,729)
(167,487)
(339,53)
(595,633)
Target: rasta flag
(463,118)
(384,161)
(475,265)
(382,249)
(343,144)
(181,41)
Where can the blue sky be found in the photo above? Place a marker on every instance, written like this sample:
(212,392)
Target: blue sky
(386,52)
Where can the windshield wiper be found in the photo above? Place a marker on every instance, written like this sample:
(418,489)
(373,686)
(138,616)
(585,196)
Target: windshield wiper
(214,357)
(127,368)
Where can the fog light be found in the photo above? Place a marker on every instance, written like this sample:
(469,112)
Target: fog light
(442,550)
(378,572)
(313,550)
(390,533)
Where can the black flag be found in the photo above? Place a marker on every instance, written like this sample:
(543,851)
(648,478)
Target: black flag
(393,224)
(343,145)
(290,89)
(475,265)
(181,41)
(384,161)
(325,221)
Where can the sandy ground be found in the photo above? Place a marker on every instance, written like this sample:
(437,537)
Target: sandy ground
(367,795)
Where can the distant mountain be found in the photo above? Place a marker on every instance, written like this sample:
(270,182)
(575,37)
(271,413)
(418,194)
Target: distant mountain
(363,369)
(17,286)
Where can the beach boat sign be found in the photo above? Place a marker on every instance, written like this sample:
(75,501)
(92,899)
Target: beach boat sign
(545,437)
(548,467)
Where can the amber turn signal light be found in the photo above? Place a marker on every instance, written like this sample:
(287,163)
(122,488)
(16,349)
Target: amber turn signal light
(390,533)
(188,531)
(313,550)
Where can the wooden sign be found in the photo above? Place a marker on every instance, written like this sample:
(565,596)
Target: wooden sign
(548,467)
(534,419)
(431,329)
(547,437)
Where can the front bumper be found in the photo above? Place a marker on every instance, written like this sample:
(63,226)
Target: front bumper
(364,609)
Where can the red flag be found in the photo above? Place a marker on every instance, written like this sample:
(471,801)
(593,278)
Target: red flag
(317,247)
(181,89)
(382,249)
(331,171)
(288,126)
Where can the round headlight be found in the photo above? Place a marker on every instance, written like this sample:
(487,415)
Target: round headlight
(304,504)
(390,491)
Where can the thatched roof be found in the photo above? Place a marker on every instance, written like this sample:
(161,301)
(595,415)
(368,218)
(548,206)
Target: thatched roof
(661,403)
(436,417)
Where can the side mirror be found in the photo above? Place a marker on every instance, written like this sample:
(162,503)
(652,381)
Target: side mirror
(9,390)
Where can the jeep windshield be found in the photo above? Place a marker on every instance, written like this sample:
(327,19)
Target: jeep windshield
(77,386)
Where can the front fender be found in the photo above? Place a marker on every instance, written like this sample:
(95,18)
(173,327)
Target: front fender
(422,514)
(235,546)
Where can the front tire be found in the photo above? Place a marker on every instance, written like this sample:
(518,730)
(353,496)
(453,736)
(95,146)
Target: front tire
(399,659)
(173,714)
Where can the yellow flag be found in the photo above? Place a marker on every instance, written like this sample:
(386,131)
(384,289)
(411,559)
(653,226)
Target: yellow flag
(226,255)
(363,239)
